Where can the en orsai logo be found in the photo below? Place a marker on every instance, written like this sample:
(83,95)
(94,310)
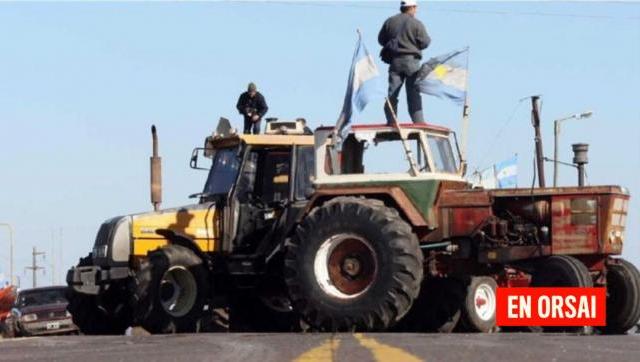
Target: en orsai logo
(519,307)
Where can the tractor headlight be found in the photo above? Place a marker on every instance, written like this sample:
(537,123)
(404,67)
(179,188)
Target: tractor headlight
(31,317)
(584,211)
(113,242)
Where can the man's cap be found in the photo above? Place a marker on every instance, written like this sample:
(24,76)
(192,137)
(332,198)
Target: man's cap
(407,3)
(252,87)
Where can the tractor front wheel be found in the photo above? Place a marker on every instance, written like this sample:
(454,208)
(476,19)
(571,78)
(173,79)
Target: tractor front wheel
(561,271)
(479,309)
(93,315)
(170,290)
(623,297)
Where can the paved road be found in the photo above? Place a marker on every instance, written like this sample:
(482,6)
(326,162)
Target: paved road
(326,347)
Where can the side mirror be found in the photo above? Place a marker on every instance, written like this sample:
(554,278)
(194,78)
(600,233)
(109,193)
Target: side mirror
(15,312)
(193,163)
(463,168)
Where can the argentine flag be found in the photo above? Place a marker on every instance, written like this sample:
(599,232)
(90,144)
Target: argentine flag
(445,76)
(364,84)
(507,173)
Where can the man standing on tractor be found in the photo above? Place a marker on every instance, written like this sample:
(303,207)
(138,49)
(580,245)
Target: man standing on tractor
(403,37)
(253,107)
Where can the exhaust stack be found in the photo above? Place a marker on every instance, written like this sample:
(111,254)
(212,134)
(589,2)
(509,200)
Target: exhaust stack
(535,120)
(156,172)
(580,151)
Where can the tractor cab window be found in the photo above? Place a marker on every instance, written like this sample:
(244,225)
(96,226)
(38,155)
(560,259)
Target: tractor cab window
(381,152)
(266,175)
(263,183)
(224,171)
(273,184)
(305,157)
(443,158)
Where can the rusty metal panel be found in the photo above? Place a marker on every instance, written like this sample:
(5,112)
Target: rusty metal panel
(556,191)
(464,198)
(572,230)
(613,215)
(463,221)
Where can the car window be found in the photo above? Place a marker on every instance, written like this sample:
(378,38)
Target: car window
(41,297)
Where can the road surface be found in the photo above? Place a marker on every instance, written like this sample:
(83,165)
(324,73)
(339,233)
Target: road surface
(326,347)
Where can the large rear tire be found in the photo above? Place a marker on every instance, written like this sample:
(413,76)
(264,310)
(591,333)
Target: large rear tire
(170,291)
(353,264)
(90,315)
(623,297)
(561,271)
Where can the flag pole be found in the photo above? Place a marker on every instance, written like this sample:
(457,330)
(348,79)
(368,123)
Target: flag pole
(465,119)
(407,149)
(333,150)
(465,132)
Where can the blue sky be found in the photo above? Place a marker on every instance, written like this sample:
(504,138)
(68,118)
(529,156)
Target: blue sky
(80,85)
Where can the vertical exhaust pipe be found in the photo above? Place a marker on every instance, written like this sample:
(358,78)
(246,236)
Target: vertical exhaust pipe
(535,120)
(156,172)
(580,158)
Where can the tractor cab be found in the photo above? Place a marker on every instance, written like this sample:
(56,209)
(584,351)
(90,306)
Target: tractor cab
(256,179)
(376,152)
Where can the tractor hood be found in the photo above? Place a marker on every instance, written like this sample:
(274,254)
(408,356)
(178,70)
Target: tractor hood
(121,237)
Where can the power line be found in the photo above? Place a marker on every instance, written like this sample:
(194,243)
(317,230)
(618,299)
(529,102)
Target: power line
(500,131)
(434,8)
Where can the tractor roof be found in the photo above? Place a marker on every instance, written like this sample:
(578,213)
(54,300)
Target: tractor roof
(285,140)
(385,127)
(259,140)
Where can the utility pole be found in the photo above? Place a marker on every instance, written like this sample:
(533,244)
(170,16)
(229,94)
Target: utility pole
(556,140)
(60,262)
(34,266)
(53,258)
(535,120)
(10,228)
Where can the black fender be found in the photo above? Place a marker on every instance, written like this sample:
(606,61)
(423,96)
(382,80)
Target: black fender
(184,241)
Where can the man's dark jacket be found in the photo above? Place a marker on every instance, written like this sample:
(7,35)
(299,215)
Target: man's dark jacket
(414,37)
(255,103)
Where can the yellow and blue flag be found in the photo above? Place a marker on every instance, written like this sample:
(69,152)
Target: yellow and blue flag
(445,76)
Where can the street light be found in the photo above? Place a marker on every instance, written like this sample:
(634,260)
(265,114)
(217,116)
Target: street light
(8,226)
(556,136)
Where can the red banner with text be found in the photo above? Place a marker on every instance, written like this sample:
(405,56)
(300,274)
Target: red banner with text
(519,307)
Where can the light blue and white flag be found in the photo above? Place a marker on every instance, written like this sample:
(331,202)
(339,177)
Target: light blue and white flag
(364,84)
(488,178)
(445,76)
(507,173)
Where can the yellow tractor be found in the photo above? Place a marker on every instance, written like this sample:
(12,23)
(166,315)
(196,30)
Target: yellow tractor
(166,270)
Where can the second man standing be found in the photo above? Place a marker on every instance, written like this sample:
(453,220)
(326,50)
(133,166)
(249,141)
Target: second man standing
(403,37)
(253,107)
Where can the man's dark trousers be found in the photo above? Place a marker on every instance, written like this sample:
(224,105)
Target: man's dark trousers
(251,127)
(404,69)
